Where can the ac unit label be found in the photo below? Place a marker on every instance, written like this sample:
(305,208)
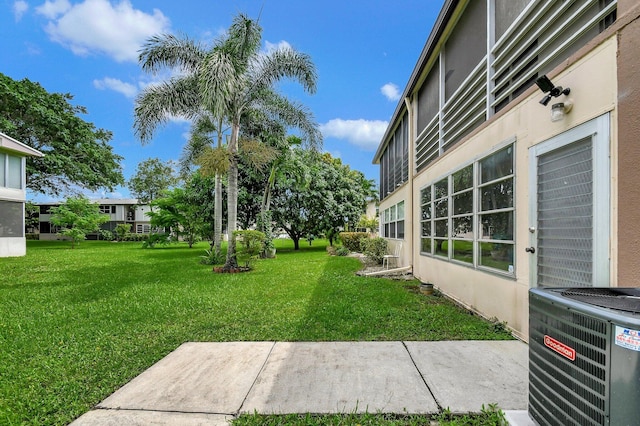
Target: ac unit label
(560,348)
(628,338)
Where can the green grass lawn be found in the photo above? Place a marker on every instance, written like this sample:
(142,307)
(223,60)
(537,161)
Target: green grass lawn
(75,325)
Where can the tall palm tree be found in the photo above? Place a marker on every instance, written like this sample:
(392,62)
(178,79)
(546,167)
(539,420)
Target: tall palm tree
(225,81)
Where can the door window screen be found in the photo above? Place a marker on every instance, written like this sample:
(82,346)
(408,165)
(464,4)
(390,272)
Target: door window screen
(565,216)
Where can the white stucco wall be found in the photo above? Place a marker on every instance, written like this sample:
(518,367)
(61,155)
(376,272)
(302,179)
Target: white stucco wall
(11,247)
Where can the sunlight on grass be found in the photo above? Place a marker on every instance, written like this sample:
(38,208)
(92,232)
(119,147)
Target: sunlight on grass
(75,325)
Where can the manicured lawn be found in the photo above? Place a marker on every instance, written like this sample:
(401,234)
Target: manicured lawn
(75,325)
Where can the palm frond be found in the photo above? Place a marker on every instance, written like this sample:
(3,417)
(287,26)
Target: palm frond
(191,152)
(157,103)
(204,124)
(217,82)
(284,62)
(243,41)
(294,115)
(169,51)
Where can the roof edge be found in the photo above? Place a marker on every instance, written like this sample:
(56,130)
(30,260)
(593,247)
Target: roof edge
(10,144)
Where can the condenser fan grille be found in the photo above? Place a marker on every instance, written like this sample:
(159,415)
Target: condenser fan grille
(622,300)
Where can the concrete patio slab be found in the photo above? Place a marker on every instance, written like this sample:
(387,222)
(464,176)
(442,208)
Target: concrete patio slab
(195,378)
(145,418)
(339,377)
(464,375)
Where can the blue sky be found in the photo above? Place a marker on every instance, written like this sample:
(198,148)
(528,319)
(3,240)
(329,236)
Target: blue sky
(364,52)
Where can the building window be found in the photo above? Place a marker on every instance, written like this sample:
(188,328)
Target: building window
(143,228)
(10,171)
(495,212)
(441,217)
(462,215)
(11,219)
(108,209)
(478,196)
(393,221)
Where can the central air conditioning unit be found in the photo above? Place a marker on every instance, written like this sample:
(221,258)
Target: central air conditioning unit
(584,356)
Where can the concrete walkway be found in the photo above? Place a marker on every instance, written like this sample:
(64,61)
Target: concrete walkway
(212,383)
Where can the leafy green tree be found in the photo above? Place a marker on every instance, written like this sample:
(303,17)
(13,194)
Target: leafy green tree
(226,81)
(317,194)
(200,191)
(151,178)
(31,217)
(186,212)
(77,155)
(292,200)
(346,192)
(77,217)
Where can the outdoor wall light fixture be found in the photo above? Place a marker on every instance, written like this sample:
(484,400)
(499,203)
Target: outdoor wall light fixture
(558,110)
(550,89)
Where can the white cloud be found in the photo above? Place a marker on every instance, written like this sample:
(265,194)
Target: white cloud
(97,26)
(20,7)
(365,134)
(53,9)
(108,83)
(390,91)
(270,47)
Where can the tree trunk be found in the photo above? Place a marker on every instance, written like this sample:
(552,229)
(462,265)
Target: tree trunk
(217,206)
(217,225)
(232,197)
(296,243)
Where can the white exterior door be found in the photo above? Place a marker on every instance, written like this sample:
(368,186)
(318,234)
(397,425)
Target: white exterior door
(569,208)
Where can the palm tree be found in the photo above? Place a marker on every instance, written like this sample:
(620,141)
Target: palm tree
(199,142)
(225,81)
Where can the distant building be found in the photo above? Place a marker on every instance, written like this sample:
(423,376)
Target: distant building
(119,211)
(496,182)
(13,195)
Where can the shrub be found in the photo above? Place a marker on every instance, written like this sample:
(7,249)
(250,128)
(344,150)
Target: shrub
(122,231)
(375,249)
(342,251)
(154,239)
(106,235)
(251,241)
(352,240)
(212,258)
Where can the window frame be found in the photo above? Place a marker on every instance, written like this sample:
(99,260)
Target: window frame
(392,224)
(430,218)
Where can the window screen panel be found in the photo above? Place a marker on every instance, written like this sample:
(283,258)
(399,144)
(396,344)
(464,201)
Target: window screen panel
(506,13)
(429,97)
(466,47)
(11,219)
(565,216)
